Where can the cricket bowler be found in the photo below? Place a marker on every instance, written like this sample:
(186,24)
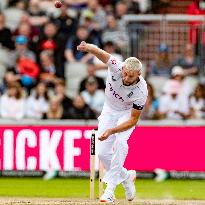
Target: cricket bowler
(125,96)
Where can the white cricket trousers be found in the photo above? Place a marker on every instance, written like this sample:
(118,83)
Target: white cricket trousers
(113,150)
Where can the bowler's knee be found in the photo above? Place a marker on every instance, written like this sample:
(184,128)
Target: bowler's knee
(103,156)
(121,145)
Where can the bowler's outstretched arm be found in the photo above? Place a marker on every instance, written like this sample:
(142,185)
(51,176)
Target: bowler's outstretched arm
(91,48)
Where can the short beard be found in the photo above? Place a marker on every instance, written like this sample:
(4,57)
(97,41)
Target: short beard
(135,82)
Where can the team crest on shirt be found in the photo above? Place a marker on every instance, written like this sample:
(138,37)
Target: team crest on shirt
(130,94)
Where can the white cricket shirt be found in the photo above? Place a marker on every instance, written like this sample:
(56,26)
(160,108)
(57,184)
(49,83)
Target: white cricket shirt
(121,97)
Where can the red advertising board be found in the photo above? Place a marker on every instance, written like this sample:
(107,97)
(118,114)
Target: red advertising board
(67,148)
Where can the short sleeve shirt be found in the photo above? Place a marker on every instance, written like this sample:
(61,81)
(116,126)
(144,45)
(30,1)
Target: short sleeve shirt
(119,96)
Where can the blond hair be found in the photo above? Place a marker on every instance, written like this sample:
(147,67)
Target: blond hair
(55,114)
(133,64)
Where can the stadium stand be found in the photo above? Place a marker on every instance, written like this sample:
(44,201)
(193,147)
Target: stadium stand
(145,26)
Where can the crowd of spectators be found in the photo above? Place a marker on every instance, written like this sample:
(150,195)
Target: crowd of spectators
(37,41)
(182,95)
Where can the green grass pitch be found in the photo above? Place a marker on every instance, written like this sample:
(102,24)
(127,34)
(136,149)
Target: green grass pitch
(79,188)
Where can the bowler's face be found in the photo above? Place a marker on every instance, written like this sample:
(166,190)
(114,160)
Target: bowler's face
(129,77)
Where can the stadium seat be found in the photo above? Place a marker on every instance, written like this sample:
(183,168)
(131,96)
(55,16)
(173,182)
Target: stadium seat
(3,4)
(158,83)
(4,63)
(192,81)
(5,57)
(74,73)
(2,72)
(13,17)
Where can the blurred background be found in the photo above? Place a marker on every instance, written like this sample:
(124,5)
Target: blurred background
(43,76)
(52,94)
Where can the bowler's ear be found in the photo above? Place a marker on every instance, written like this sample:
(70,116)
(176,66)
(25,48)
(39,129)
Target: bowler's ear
(139,72)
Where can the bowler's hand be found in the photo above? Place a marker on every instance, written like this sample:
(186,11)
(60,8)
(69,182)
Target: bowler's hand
(83,47)
(105,135)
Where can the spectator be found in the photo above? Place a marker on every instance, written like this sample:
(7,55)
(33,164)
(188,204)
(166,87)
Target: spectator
(113,33)
(37,17)
(94,33)
(80,110)
(5,34)
(162,64)
(22,50)
(14,13)
(98,13)
(93,96)
(60,92)
(101,68)
(67,24)
(203,88)
(31,33)
(109,8)
(50,32)
(24,29)
(20,4)
(111,48)
(188,61)
(12,103)
(48,45)
(151,108)
(105,3)
(196,8)
(48,68)
(10,77)
(76,4)
(178,74)
(121,9)
(47,6)
(55,110)
(91,73)
(50,35)
(37,103)
(143,6)
(173,105)
(25,62)
(6,45)
(71,53)
(134,7)
(160,6)
(28,71)
(197,103)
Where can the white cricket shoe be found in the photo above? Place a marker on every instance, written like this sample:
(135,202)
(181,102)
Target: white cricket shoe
(107,197)
(129,185)
(50,174)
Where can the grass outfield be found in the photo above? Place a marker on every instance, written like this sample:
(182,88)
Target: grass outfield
(79,188)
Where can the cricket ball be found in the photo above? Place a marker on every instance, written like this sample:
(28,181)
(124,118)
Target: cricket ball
(58,4)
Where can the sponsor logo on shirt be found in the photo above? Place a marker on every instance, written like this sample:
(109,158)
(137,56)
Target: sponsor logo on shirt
(114,62)
(113,79)
(130,94)
(115,94)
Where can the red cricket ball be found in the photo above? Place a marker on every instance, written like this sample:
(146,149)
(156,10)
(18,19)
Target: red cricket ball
(58,4)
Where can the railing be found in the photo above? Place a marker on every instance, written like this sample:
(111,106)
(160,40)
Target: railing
(146,32)
(32,122)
